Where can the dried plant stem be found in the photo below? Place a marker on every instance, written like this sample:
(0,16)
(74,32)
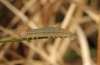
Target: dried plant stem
(19,14)
(90,11)
(4,50)
(83,45)
(64,25)
(68,16)
(23,10)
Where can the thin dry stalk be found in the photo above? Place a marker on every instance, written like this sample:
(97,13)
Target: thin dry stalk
(19,14)
(16,55)
(90,11)
(64,25)
(83,45)
(4,50)
(13,62)
(23,10)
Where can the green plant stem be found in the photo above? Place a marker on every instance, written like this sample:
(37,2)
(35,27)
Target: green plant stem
(20,39)
(13,40)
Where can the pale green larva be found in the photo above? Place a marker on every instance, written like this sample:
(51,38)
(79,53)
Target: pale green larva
(53,32)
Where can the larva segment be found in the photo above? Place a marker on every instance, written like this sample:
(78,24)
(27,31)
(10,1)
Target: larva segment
(48,32)
(70,35)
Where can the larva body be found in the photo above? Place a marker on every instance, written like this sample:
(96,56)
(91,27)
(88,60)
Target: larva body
(48,32)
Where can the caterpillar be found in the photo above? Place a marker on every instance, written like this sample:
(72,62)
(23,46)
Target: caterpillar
(49,32)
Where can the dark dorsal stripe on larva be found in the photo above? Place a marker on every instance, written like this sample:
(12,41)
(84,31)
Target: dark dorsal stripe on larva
(48,32)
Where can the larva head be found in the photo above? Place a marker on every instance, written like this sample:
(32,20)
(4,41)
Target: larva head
(23,34)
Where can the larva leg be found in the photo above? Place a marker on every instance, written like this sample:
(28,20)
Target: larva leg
(60,35)
(32,37)
(48,36)
(65,36)
(36,37)
(27,37)
(53,35)
(57,35)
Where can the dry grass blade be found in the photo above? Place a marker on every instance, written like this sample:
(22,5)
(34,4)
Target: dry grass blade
(64,25)
(84,47)
(23,10)
(19,14)
(90,11)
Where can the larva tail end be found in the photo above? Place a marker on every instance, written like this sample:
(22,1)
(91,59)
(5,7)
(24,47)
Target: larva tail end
(23,34)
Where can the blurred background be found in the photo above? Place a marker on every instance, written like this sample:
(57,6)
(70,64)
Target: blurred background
(78,16)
